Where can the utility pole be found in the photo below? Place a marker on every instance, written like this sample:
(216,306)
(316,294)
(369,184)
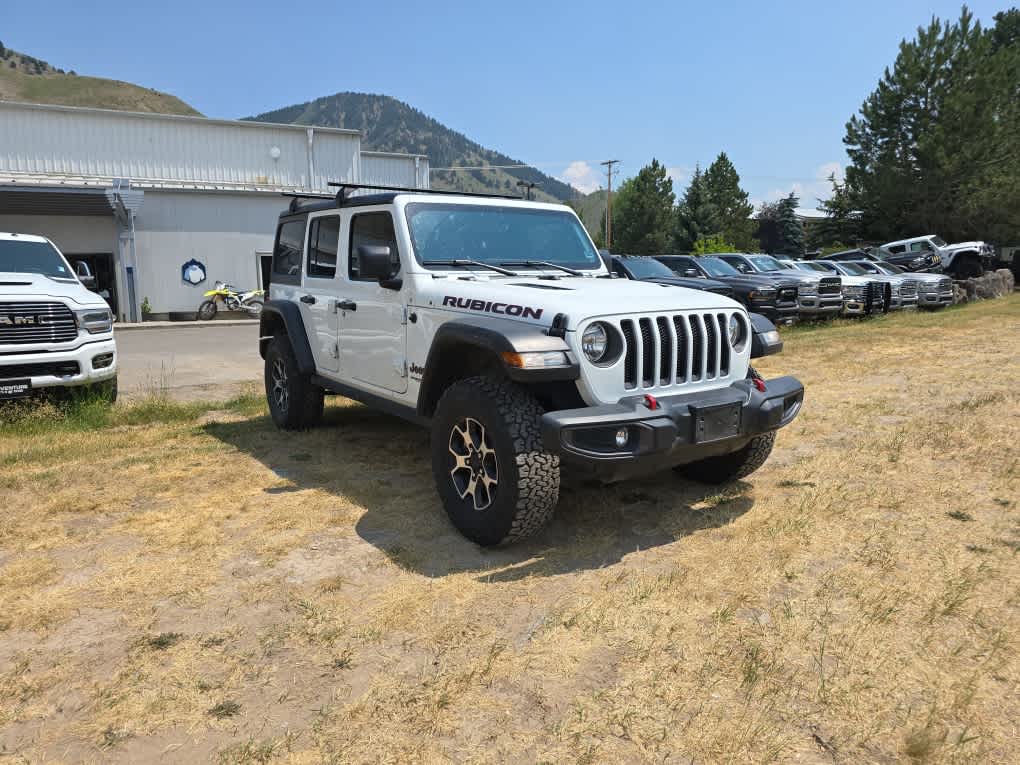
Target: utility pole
(527,186)
(609,202)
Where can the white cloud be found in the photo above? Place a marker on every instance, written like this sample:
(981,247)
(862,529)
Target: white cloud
(679,175)
(810,192)
(581,176)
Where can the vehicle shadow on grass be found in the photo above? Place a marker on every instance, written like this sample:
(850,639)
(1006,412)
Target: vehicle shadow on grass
(382,464)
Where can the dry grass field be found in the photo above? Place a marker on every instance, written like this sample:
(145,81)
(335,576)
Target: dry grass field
(181,583)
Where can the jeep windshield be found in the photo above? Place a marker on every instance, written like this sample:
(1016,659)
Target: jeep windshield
(717,267)
(499,235)
(938,241)
(27,257)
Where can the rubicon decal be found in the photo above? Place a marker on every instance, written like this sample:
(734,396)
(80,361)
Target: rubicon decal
(506,309)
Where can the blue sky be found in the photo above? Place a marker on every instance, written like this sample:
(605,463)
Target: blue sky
(561,85)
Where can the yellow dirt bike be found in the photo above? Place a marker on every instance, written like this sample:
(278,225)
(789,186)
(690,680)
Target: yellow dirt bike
(233,299)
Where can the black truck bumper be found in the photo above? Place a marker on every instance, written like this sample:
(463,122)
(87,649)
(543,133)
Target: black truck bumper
(683,428)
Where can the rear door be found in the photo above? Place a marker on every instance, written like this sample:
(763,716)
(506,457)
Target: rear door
(319,290)
(373,331)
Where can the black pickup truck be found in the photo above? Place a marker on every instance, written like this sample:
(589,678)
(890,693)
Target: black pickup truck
(648,269)
(773,298)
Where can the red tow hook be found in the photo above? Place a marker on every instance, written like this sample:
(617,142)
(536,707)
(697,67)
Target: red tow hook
(759,384)
(651,401)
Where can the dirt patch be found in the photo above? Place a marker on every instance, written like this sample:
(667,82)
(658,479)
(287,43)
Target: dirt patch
(212,589)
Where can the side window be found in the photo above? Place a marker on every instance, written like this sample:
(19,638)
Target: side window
(619,270)
(739,264)
(374,229)
(898,249)
(323,240)
(290,241)
(918,246)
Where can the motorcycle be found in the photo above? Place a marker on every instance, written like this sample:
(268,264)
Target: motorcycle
(233,299)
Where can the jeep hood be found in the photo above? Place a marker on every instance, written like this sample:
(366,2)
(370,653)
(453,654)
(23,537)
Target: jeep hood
(23,287)
(964,246)
(539,300)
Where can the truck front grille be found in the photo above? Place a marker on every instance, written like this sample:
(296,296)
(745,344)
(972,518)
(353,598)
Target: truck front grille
(829,285)
(662,351)
(23,323)
(39,369)
(908,290)
(874,296)
(945,286)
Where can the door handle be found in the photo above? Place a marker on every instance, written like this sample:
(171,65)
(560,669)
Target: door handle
(309,299)
(347,305)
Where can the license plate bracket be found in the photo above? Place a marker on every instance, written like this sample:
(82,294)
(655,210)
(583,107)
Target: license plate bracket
(15,388)
(714,423)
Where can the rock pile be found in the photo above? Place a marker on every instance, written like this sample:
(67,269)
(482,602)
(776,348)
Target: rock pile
(993,284)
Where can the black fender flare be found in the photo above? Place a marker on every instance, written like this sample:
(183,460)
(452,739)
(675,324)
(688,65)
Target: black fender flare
(764,337)
(493,338)
(276,312)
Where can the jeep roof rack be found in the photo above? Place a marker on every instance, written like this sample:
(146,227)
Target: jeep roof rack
(343,186)
(307,201)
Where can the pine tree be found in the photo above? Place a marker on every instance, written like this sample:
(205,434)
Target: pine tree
(936,147)
(643,213)
(730,202)
(696,215)
(779,230)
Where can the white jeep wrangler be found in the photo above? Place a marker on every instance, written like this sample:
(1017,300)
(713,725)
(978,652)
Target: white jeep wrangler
(54,333)
(932,253)
(495,323)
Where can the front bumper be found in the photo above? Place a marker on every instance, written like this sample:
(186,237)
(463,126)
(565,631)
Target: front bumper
(934,299)
(785,314)
(63,369)
(826,305)
(684,428)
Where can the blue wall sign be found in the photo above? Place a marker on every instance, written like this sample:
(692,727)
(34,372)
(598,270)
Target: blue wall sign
(193,272)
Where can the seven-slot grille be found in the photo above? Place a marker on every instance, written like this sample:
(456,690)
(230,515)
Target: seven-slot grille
(660,351)
(36,323)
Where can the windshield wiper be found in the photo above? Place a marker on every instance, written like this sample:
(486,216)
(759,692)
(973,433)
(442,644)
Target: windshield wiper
(543,264)
(476,263)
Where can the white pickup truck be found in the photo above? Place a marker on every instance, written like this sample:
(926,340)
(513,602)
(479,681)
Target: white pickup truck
(54,333)
(495,323)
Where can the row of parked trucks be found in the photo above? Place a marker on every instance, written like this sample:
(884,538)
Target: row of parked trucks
(785,291)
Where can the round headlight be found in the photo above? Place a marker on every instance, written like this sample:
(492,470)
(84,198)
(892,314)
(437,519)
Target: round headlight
(735,330)
(595,342)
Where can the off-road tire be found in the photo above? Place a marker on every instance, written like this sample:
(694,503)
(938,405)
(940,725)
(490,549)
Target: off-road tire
(967,267)
(301,407)
(207,310)
(528,484)
(733,466)
(254,307)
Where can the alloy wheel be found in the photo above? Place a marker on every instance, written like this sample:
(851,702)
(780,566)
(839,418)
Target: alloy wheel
(280,391)
(475,471)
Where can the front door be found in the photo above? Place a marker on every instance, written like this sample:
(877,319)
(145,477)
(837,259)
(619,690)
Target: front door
(373,329)
(318,298)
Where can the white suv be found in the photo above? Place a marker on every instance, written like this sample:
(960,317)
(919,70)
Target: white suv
(496,324)
(54,332)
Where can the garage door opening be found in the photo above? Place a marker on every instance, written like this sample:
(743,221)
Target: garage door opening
(102,267)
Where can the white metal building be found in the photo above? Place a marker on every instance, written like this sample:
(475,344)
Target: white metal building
(139,196)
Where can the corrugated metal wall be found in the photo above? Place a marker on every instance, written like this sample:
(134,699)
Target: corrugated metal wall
(394,169)
(90,143)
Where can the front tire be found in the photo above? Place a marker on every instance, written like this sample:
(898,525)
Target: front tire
(254,307)
(207,310)
(496,481)
(733,466)
(967,267)
(295,403)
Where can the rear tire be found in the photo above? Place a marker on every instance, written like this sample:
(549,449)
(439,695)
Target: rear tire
(207,310)
(496,481)
(295,403)
(733,466)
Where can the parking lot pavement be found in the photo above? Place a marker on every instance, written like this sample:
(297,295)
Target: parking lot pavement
(193,362)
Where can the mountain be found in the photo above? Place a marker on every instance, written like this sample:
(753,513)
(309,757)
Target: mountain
(25,78)
(387,124)
(591,209)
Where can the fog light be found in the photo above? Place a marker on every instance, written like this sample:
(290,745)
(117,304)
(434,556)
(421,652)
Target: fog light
(102,361)
(622,437)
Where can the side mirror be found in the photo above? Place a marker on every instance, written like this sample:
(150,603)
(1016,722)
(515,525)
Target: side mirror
(81,270)
(692,272)
(377,262)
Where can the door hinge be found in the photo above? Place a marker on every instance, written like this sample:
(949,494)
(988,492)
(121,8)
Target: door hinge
(402,368)
(336,350)
(403,318)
